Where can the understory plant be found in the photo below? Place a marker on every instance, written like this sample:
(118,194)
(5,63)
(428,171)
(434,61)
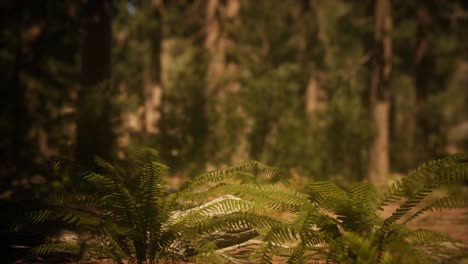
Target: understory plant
(345,225)
(149,224)
(215,215)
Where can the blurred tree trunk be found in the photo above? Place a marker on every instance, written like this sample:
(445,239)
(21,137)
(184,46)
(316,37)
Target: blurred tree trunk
(18,91)
(314,94)
(420,80)
(416,94)
(95,135)
(217,15)
(152,85)
(379,93)
(13,107)
(214,43)
(18,143)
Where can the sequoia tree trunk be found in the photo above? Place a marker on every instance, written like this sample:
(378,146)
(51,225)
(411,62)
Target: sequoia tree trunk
(94,135)
(379,100)
(152,85)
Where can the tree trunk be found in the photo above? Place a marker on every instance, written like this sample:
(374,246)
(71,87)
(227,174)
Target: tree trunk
(379,93)
(311,97)
(310,40)
(18,92)
(414,97)
(214,43)
(217,15)
(13,108)
(95,135)
(152,85)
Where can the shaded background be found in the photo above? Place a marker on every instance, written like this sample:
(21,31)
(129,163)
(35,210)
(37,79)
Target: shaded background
(336,89)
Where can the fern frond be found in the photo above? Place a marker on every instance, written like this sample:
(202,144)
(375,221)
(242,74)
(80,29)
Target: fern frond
(151,207)
(119,240)
(457,173)
(105,168)
(308,225)
(359,211)
(275,197)
(426,236)
(142,156)
(116,249)
(116,199)
(364,195)
(361,249)
(443,203)
(151,181)
(204,248)
(327,195)
(297,256)
(224,174)
(81,201)
(402,251)
(355,207)
(264,254)
(56,248)
(409,204)
(425,174)
(46,216)
(218,207)
(243,220)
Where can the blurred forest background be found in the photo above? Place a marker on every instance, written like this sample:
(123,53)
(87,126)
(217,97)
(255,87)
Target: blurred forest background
(325,89)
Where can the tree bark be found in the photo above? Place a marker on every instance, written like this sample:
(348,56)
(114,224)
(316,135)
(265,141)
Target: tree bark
(95,135)
(217,14)
(417,94)
(310,39)
(152,84)
(379,100)
(214,43)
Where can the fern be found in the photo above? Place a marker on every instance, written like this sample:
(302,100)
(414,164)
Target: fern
(149,224)
(338,225)
(441,204)
(359,249)
(222,175)
(354,231)
(449,170)
(425,236)
(56,249)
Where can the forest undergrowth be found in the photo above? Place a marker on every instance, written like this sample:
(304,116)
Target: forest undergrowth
(240,215)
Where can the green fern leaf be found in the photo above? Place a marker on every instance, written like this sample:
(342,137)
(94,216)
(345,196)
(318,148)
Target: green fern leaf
(57,248)
(412,202)
(443,203)
(426,174)
(224,174)
(426,236)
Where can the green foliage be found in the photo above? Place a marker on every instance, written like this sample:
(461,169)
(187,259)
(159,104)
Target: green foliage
(148,223)
(328,222)
(56,248)
(344,225)
(354,231)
